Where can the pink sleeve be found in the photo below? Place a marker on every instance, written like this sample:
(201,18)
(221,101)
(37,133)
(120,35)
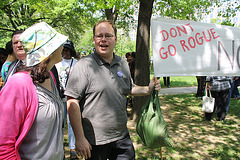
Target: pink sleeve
(19,104)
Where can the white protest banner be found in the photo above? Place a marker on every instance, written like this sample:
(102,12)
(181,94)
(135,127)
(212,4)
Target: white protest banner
(188,48)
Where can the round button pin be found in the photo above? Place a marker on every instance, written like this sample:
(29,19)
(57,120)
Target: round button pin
(120,74)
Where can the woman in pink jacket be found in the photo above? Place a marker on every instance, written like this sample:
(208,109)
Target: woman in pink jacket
(30,107)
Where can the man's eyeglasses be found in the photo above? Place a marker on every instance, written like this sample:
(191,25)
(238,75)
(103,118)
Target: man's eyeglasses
(107,36)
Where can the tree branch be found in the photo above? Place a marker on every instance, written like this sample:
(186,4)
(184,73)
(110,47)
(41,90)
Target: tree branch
(6,29)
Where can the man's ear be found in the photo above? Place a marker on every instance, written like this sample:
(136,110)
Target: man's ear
(93,40)
(116,40)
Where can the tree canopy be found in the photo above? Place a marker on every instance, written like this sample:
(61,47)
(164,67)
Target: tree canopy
(181,9)
(67,16)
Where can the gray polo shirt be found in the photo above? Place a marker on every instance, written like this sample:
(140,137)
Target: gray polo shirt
(102,89)
(45,140)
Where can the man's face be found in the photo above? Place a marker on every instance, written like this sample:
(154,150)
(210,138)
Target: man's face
(66,53)
(129,58)
(18,48)
(104,39)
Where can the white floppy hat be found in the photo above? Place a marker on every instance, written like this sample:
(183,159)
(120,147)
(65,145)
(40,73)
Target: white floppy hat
(39,41)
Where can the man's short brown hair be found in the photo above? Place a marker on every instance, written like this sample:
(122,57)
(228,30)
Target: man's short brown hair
(107,21)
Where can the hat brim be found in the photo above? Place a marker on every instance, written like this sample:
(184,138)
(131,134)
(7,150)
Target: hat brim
(47,49)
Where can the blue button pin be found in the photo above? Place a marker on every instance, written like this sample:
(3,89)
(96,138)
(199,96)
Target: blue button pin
(120,74)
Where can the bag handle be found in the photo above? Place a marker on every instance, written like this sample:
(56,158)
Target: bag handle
(68,73)
(154,98)
(210,95)
(146,105)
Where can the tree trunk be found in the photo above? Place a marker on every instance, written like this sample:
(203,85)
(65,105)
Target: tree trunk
(111,15)
(142,61)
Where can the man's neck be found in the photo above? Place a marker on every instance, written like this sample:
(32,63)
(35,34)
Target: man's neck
(109,60)
(11,58)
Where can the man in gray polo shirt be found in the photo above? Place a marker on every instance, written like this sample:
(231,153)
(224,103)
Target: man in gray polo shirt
(97,90)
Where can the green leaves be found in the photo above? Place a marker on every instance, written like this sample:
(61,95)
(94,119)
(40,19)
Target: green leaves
(69,17)
(181,9)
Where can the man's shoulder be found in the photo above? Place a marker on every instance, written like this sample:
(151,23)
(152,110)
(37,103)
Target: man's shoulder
(6,64)
(11,66)
(120,59)
(14,62)
(86,59)
(11,69)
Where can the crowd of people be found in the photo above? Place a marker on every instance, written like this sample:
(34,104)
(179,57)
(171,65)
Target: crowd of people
(64,68)
(45,83)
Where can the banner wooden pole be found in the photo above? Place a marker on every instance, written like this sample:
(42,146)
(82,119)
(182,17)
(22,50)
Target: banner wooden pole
(160,147)
(161,153)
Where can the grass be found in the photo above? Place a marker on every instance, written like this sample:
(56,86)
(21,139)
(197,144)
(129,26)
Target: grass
(180,81)
(187,81)
(192,136)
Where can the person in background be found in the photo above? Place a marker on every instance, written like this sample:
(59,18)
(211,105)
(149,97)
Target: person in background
(19,53)
(3,56)
(233,93)
(96,91)
(77,56)
(130,56)
(127,56)
(166,81)
(83,54)
(21,56)
(220,88)
(234,88)
(31,111)
(10,58)
(64,69)
(201,80)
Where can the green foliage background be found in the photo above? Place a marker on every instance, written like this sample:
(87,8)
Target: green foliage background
(75,18)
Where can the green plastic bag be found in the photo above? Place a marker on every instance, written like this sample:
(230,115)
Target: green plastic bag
(151,126)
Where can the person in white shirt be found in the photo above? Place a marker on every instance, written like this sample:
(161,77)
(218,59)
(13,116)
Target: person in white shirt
(64,69)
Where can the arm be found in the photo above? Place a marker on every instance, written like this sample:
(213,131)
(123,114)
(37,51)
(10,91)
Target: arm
(208,80)
(146,90)
(19,104)
(208,86)
(11,119)
(83,148)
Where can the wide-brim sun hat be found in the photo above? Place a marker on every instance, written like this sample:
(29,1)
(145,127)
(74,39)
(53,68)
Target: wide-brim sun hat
(39,41)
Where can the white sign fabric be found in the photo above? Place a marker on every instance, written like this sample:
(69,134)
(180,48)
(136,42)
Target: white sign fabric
(188,48)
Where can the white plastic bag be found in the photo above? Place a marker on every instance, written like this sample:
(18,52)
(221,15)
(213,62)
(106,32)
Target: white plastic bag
(208,103)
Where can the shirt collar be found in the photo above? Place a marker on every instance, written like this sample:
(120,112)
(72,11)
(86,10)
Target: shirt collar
(100,61)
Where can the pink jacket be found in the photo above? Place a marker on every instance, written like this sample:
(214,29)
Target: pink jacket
(18,108)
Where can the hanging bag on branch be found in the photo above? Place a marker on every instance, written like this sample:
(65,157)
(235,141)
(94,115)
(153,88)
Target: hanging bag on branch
(151,126)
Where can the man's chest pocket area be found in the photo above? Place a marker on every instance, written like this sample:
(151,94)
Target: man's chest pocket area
(124,85)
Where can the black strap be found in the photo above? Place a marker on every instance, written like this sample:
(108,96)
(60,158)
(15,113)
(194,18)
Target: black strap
(69,72)
(12,69)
